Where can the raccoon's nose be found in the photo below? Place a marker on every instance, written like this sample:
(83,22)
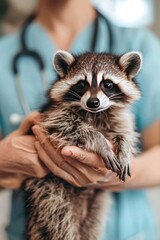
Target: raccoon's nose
(93,103)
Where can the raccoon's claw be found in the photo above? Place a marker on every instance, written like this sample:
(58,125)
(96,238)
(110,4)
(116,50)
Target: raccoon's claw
(112,163)
(125,171)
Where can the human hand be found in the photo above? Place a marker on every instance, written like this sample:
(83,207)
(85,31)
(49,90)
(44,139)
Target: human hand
(18,157)
(92,164)
(76,166)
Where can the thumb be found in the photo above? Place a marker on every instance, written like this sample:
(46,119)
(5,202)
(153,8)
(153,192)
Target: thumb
(28,122)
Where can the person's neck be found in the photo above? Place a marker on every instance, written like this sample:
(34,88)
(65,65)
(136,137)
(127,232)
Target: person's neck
(64,19)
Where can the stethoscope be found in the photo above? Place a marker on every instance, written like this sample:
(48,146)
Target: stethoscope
(15,118)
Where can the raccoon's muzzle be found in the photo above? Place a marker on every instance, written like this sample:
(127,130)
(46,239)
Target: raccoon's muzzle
(93,103)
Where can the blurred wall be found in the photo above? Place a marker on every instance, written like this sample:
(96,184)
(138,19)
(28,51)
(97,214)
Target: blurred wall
(156,25)
(13,13)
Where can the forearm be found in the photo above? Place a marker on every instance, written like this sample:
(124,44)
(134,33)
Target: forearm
(11,181)
(88,168)
(146,170)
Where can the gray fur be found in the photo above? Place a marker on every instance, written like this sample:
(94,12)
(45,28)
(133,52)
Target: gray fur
(57,210)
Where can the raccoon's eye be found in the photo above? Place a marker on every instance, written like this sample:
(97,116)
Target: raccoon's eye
(81,84)
(108,84)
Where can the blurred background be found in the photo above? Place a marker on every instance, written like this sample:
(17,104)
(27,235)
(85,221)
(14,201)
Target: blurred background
(126,13)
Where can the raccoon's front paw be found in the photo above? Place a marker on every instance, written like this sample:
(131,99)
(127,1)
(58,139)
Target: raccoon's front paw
(125,167)
(111,162)
(125,172)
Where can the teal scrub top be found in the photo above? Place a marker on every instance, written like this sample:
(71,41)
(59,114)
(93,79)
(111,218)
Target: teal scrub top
(130,214)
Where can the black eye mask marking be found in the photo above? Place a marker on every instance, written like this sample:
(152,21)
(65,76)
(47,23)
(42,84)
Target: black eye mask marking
(77,91)
(112,90)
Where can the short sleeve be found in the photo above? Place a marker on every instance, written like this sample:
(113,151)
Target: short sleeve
(147,110)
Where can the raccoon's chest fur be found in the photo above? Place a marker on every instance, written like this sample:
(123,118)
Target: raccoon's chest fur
(100,121)
(72,125)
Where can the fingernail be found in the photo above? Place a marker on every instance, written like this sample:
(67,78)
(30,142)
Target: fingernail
(66,152)
(35,130)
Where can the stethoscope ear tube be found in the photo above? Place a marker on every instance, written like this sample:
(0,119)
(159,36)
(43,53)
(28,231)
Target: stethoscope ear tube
(27,53)
(29,20)
(16,118)
(96,33)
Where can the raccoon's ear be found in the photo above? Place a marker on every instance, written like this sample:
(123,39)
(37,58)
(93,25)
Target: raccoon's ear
(131,63)
(62,61)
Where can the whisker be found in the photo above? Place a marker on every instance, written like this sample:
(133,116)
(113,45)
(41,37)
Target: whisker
(118,97)
(72,99)
(74,93)
(115,95)
(70,90)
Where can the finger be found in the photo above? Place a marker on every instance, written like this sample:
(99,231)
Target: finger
(78,172)
(40,135)
(91,174)
(47,147)
(52,152)
(89,158)
(28,122)
(65,171)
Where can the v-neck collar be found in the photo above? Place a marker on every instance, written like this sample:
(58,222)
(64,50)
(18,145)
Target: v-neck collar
(39,39)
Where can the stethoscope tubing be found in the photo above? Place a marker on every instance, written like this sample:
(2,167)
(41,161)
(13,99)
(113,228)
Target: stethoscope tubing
(96,33)
(15,118)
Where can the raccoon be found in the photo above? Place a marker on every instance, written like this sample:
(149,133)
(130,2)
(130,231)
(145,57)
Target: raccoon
(88,104)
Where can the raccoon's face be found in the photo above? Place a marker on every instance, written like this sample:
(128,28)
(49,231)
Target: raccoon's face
(96,81)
